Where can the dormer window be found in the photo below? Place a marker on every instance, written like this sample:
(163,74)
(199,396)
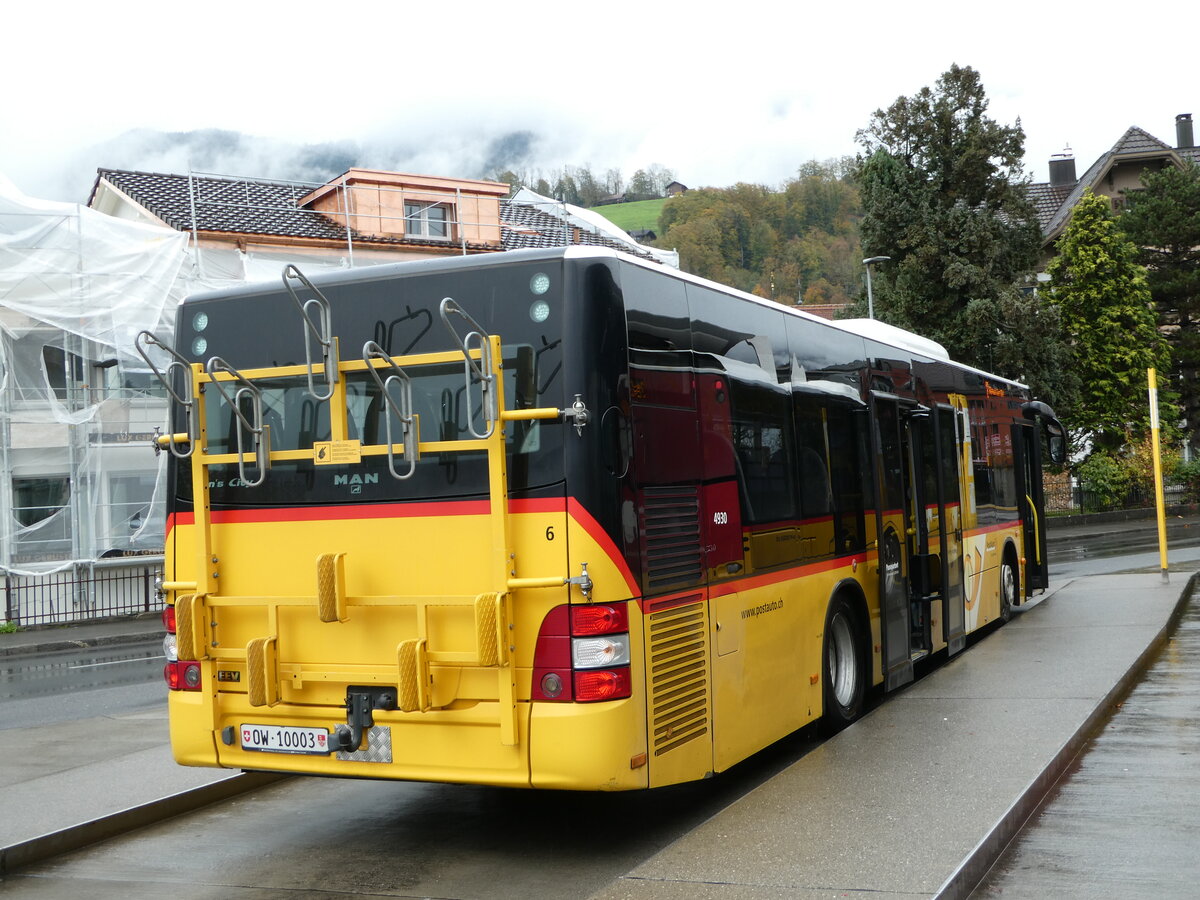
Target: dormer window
(427,220)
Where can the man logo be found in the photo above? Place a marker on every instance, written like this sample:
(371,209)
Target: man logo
(369,478)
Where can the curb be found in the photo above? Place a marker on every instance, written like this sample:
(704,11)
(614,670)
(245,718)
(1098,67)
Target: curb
(50,646)
(979,861)
(75,837)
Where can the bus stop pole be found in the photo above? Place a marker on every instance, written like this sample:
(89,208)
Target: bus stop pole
(1152,376)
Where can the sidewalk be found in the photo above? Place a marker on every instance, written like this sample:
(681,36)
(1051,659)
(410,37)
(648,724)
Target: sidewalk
(919,797)
(131,629)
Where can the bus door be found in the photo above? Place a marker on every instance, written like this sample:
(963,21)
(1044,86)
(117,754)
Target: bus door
(936,563)
(1031,501)
(950,515)
(892,505)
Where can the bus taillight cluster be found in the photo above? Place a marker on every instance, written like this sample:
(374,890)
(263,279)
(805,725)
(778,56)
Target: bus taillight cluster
(582,654)
(180,675)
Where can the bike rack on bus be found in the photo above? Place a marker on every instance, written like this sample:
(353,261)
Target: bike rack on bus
(189,406)
(321,331)
(403,411)
(261,432)
(491,600)
(482,370)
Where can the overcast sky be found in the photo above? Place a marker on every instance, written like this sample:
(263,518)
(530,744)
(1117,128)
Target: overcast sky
(746,91)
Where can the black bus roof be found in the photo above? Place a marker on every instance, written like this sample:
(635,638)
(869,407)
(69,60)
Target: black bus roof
(869,329)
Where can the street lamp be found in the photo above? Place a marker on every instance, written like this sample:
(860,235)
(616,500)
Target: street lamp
(870,301)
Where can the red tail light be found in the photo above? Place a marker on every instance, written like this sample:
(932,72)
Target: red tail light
(599,619)
(183,675)
(168,619)
(602,684)
(567,629)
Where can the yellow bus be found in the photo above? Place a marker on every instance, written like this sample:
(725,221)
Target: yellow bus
(567,519)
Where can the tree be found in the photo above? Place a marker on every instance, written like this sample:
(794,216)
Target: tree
(1025,338)
(565,189)
(942,195)
(1164,221)
(591,190)
(641,186)
(1101,294)
(796,244)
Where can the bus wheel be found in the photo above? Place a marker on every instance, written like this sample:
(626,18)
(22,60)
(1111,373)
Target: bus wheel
(845,676)
(1008,587)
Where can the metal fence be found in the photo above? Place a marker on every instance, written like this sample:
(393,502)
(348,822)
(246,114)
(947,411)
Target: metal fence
(85,593)
(1078,497)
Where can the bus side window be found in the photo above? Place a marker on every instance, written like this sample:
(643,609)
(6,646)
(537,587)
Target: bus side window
(762,441)
(816,497)
(845,429)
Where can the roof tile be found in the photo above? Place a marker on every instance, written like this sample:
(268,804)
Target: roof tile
(263,207)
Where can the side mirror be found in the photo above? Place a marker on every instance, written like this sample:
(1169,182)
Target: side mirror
(1058,449)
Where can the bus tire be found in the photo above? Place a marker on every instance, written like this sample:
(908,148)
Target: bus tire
(1009,579)
(842,665)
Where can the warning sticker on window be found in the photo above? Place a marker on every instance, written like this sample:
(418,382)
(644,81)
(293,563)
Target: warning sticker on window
(337,453)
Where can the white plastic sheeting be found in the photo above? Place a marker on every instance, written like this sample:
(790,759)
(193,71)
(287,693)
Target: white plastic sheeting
(76,404)
(592,222)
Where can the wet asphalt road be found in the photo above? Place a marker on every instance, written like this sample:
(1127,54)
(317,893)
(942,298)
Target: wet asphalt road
(67,685)
(1125,819)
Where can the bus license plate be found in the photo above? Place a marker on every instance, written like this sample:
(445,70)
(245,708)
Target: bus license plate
(285,739)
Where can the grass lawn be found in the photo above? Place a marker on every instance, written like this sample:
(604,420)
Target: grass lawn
(642,214)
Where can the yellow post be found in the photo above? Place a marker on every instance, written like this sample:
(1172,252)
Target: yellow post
(1158,483)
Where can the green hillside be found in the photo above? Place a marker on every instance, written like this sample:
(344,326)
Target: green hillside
(637,216)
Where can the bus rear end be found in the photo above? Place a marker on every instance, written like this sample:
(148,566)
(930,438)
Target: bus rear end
(374,566)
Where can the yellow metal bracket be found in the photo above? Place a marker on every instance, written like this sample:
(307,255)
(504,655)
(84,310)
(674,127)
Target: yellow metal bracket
(190,634)
(487,633)
(262,671)
(413,685)
(331,587)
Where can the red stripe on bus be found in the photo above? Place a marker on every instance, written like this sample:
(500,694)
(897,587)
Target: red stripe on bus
(756,581)
(344,513)
(577,512)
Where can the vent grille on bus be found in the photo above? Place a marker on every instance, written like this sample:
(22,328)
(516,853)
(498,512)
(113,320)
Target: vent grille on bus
(671,531)
(678,647)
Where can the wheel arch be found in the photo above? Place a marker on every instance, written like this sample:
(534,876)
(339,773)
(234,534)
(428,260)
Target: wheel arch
(853,592)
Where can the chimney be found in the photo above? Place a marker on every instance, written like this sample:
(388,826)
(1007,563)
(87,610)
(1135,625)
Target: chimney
(1183,131)
(1062,168)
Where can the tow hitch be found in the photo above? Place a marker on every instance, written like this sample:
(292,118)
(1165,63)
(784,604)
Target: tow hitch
(360,704)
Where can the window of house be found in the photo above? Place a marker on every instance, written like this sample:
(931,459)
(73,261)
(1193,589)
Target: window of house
(427,220)
(35,499)
(63,369)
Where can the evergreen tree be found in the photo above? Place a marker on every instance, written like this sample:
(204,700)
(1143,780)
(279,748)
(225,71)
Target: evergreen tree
(1164,221)
(942,195)
(1101,294)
